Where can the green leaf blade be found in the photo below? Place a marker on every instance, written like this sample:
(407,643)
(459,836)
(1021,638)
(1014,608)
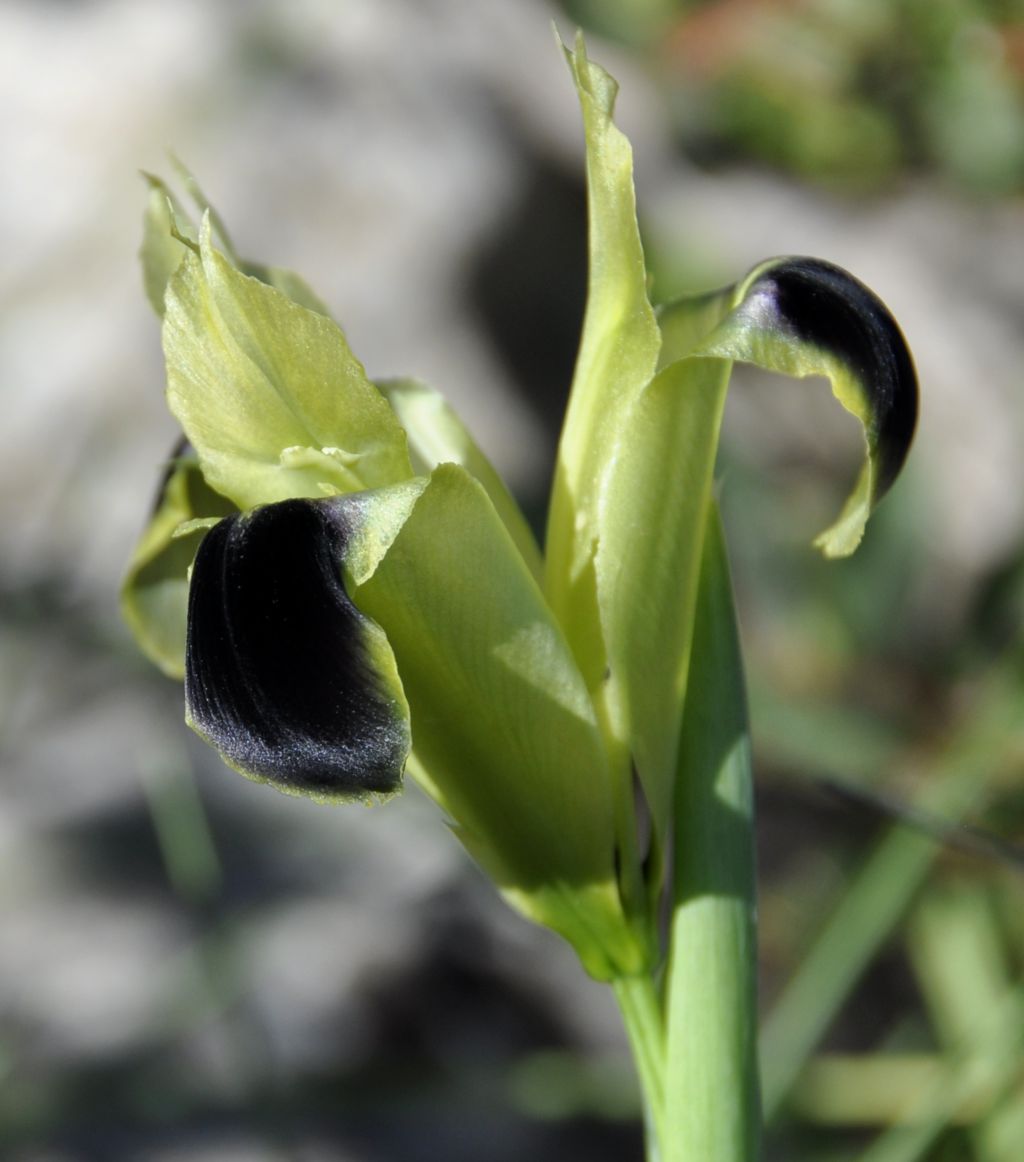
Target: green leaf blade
(711,1063)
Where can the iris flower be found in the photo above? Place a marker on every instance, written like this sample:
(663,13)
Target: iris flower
(350,592)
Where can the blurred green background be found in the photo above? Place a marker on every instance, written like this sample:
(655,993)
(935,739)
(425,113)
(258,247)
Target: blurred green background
(192,967)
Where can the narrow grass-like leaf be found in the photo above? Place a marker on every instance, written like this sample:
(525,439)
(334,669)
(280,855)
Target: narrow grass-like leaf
(960,959)
(712,1108)
(880,893)
(182,828)
(993,1071)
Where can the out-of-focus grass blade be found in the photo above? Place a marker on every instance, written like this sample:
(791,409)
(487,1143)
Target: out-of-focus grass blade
(960,960)
(553,1085)
(803,734)
(873,1089)
(882,890)
(993,1071)
(182,829)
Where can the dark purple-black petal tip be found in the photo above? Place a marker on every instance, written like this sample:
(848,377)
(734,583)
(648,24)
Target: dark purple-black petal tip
(825,307)
(284,675)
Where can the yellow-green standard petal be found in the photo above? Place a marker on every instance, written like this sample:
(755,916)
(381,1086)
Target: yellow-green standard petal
(269,392)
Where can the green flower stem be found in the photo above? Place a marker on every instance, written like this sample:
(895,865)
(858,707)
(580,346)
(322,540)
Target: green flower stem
(712,1107)
(641,1014)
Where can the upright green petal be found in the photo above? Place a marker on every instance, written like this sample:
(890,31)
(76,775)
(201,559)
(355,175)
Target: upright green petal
(617,356)
(268,392)
(648,563)
(503,728)
(154,596)
(437,436)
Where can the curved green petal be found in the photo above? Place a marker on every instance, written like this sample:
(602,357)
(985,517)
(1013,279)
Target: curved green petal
(617,356)
(797,316)
(687,322)
(503,729)
(268,392)
(154,594)
(802,316)
(285,677)
(437,436)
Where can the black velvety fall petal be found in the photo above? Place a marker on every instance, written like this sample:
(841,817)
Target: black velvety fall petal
(825,307)
(283,672)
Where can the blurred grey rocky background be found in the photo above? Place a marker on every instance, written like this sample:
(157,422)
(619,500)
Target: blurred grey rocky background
(192,967)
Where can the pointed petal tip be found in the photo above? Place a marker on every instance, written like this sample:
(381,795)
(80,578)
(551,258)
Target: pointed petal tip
(823,306)
(806,317)
(839,541)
